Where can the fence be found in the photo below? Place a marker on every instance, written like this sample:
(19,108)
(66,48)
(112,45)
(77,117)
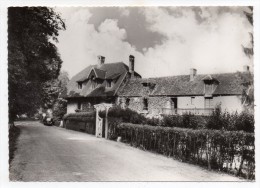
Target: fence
(229,151)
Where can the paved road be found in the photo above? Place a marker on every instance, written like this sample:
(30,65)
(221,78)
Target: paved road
(56,154)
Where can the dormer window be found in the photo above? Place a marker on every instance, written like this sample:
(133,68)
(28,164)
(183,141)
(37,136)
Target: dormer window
(80,85)
(108,83)
(210,84)
(93,82)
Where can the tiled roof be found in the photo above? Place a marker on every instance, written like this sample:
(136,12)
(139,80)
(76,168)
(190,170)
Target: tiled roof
(115,71)
(228,84)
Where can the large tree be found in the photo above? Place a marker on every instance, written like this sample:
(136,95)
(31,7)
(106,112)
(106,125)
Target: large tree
(59,107)
(248,92)
(33,59)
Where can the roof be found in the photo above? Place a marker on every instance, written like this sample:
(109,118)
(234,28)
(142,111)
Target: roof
(108,71)
(228,84)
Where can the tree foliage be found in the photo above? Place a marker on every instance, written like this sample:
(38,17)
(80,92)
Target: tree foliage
(59,105)
(248,91)
(33,59)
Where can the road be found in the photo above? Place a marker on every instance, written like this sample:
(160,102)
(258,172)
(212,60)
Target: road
(56,154)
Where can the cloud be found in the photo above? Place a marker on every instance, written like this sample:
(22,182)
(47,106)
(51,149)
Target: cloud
(124,11)
(81,43)
(207,38)
(212,46)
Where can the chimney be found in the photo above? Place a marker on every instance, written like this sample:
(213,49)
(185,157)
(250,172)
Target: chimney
(246,68)
(101,60)
(132,65)
(193,73)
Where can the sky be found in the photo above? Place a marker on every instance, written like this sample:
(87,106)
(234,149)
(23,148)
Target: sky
(165,41)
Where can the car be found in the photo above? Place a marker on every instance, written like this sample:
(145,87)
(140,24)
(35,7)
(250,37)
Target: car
(48,121)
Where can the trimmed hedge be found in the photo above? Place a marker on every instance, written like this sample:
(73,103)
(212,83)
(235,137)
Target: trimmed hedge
(229,151)
(81,121)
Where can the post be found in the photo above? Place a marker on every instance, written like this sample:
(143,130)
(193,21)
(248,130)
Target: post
(97,110)
(106,125)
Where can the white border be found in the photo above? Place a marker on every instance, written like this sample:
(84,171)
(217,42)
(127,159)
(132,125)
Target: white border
(4,86)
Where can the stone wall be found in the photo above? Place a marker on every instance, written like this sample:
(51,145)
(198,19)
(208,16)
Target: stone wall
(156,104)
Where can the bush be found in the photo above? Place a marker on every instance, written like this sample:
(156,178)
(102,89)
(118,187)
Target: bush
(230,151)
(184,121)
(80,116)
(126,115)
(59,110)
(232,122)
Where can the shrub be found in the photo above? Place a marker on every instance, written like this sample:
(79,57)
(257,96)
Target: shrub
(232,122)
(230,151)
(245,121)
(126,115)
(59,110)
(184,121)
(80,116)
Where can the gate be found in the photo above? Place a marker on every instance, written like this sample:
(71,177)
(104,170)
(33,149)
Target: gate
(99,125)
(99,120)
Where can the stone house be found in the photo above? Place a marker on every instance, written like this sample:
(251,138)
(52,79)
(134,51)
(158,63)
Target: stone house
(119,84)
(97,84)
(193,93)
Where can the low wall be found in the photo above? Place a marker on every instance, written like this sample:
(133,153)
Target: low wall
(87,127)
(82,121)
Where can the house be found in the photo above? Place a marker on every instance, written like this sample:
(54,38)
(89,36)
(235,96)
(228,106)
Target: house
(98,83)
(193,93)
(119,84)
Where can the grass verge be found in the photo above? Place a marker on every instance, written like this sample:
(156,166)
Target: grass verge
(14,133)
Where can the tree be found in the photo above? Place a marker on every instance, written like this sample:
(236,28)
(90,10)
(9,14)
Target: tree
(249,51)
(248,92)
(33,59)
(59,107)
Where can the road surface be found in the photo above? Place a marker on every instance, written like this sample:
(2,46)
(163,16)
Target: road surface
(56,154)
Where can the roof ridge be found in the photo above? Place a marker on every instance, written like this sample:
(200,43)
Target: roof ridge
(188,75)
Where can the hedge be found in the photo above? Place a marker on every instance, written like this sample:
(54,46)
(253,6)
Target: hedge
(81,121)
(229,151)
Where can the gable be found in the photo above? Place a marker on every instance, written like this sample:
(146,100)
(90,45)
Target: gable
(114,72)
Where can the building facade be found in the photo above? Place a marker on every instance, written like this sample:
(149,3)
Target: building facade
(97,84)
(119,84)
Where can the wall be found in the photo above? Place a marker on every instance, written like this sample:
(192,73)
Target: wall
(71,106)
(87,127)
(229,103)
(156,104)
(135,103)
(185,102)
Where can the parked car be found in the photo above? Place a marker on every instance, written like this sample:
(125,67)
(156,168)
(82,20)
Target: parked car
(48,121)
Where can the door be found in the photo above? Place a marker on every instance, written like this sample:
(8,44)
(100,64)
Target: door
(174,105)
(99,127)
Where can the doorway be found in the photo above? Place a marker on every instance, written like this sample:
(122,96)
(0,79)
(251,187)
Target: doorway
(174,103)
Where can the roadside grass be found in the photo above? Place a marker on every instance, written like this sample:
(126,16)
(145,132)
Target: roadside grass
(14,133)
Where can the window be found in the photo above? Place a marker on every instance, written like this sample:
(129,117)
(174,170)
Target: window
(208,88)
(79,85)
(93,84)
(127,102)
(108,84)
(79,105)
(192,99)
(208,102)
(145,104)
